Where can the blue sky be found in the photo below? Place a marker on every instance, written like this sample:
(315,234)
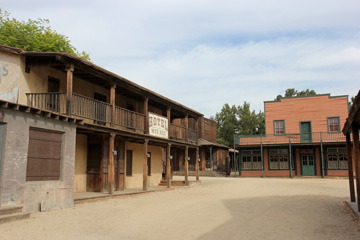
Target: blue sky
(204,54)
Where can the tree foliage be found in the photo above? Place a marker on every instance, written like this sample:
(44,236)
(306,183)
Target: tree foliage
(291,92)
(237,120)
(34,35)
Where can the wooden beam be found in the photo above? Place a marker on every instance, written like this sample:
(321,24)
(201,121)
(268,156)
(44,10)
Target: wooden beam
(112,102)
(186,127)
(197,163)
(69,87)
(146,119)
(355,133)
(145,166)
(111,171)
(350,168)
(168,184)
(186,166)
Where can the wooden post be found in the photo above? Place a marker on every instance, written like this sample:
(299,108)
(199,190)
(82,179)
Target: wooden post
(168,184)
(69,87)
(146,119)
(168,114)
(111,171)
(112,102)
(121,166)
(145,168)
(350,168)
(186,166)
(186,127)
(197,163)
(355,132)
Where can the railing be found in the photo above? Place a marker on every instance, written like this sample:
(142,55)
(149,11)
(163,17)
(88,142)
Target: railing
(177,132)
(90,108)
(293,138)
(55,102)
(129,119)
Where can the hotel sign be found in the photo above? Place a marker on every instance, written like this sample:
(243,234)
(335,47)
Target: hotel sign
(158,126)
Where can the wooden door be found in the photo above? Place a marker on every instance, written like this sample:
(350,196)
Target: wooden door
(308,165)
(305,132)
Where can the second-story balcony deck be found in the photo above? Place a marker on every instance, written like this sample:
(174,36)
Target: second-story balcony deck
(291,138)
(101,113)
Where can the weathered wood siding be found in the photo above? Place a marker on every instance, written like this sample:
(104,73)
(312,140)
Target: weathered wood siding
(207,129)
(315,109)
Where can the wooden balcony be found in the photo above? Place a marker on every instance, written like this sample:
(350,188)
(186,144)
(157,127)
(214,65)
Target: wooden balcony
(100,113)
(293,138)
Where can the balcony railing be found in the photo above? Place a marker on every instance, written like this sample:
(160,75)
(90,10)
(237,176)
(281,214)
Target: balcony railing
(293,138)
(101,113)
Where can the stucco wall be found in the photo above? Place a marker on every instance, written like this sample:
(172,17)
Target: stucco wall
(9,76)
(15,190)
(80,163)
(136,180)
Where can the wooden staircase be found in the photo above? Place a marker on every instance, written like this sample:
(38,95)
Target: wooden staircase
(8,214)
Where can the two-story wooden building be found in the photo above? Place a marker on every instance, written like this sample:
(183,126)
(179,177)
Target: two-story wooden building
(303,138)
(68,125)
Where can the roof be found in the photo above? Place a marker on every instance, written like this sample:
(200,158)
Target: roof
(354,116)
(203,142)
(97,70)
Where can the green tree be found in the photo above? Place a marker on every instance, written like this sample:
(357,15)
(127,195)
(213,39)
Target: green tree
(291,92)
(237,120)
(34,35)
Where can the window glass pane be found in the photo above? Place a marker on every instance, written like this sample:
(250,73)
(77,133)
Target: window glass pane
(332,161)
(333,124)
(274,162)
(279,127)
(343,164)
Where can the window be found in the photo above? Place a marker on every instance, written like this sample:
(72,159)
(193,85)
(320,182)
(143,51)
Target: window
(251,159)
(44,155)
(128,162)
(337,158)
(149,163)
(279,127)
(333,125)
(279,159)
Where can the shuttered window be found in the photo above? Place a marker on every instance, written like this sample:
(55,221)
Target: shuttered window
(128,162)
(44,155)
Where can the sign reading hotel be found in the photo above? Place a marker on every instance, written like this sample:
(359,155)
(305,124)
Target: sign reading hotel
(158,126)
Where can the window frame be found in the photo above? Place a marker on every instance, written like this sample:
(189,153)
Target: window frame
(329,126)
(278,121)
(253,154)
(129,163)
(279,155)
(339,151)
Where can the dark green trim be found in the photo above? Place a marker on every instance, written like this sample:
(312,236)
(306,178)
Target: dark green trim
(314,155)
(286,169)
(310,131)
(278,120)
(338,161)
(328,125)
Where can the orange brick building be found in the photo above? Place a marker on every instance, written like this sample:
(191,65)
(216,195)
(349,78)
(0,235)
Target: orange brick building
(303,138)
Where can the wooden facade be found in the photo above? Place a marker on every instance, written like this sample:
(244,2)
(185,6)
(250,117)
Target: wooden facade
(303,138)
(127,136)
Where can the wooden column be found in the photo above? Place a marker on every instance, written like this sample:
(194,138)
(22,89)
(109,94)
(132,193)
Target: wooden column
(168,114)
(146,119)
(186,166)
(111,172)
(121,166)
(197,163)
(102,163)
(168,184)
(350,168)
(112,102)
(186,127)
(69,87)
(145,168)
(355,133)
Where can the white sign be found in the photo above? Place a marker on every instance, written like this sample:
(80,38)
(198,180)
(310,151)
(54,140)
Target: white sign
(158,126)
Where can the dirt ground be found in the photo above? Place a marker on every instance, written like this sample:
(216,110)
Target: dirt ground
(219,208)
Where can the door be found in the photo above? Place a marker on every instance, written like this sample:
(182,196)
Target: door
(305,132)
(308,165)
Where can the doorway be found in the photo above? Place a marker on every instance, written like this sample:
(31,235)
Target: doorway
(305,132)
(308,165)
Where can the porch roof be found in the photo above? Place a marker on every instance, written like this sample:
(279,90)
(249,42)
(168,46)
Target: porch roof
(354,115)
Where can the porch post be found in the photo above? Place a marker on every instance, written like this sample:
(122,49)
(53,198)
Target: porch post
(355,132)
(350,168)
(186,127)
(69,87)
(197,163)
(111,171)
(102,163)
(146,119)
(186,166)
(168,165)
(145,168)
(168,114)
(321,156)
(121,166)
(112,102)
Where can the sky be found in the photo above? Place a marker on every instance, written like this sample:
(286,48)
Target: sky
(204,54)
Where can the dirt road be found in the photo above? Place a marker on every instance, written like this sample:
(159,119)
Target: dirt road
(219,208)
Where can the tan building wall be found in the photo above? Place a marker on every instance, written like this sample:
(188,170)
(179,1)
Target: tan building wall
(80,163)
(136,180)
(9,77)
(315,109)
